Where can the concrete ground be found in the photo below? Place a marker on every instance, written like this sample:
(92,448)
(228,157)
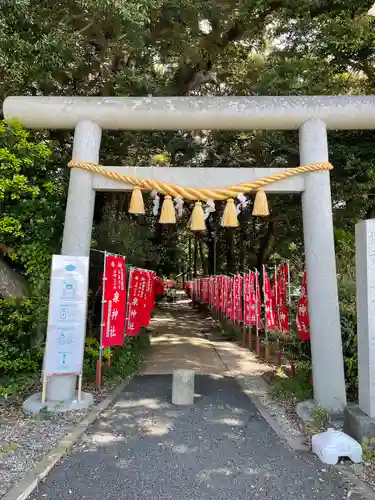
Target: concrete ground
(219,449)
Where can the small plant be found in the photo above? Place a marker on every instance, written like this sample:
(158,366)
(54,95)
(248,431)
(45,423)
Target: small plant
(368,449)
(320,419)
(7,448)
(294,389)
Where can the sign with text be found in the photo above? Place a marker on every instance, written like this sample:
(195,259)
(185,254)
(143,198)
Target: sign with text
(66,316)
(113,321)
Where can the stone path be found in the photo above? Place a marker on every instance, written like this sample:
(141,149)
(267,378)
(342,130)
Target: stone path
(219,449)
(179,341)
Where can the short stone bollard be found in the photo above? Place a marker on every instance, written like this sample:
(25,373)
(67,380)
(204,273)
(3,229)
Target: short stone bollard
(183,387)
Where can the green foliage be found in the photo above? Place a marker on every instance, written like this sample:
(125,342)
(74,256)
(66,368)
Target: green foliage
(294,389)
(124,360)
(32,209)
(20,357)
(32,198)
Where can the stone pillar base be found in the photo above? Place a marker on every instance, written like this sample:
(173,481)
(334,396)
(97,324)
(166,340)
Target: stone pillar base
(33,404)
(358,425)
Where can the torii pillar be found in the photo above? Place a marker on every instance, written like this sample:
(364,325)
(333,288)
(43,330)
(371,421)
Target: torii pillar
(325,328)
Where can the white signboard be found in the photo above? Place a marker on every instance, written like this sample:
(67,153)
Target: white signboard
(66,315)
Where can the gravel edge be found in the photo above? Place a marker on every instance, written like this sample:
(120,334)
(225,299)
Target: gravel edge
(23,489)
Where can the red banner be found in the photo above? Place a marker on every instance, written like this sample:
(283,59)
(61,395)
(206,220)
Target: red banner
(136,300)
(228,298)
(237,298)
(218,288)
(221,294)
(257,314)
(282,299)
(205,290)
(113,321)
(247,298)
(282,292)
(149,302)
(302,320)
(269,302)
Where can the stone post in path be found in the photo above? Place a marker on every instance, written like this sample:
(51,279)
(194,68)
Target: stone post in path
(360,420)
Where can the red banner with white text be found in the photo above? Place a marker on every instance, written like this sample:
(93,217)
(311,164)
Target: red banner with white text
(113,321)
(237,298)
(252,306)
(269,302)
(282,299)
(302,320)
(140,301)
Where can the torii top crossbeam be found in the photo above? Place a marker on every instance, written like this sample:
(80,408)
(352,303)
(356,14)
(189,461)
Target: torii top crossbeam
(193,113)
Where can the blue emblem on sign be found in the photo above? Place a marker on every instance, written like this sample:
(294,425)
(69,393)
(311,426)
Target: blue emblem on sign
(70,267)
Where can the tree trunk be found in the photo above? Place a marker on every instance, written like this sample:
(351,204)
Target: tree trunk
(229,238)
(202,258)
(195,255)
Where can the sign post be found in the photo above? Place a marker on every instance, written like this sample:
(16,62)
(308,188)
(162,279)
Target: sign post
(66,316)
(66,323)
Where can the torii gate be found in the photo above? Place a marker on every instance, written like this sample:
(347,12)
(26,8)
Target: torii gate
(312,116)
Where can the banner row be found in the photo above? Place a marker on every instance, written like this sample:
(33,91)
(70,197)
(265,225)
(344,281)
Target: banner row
(126,308)
(239,298)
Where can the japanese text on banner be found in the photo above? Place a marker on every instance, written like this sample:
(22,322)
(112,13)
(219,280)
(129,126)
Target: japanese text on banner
(113,320)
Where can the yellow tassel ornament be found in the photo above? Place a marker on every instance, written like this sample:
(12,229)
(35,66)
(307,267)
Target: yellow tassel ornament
(261,204)
(168,214)
(136,206)
(197,218)
(230,214)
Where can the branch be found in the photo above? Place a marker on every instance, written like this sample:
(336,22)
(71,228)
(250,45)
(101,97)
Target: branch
(266,244)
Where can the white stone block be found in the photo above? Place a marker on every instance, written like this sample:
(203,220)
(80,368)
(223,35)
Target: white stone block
(183,387)
(329,446)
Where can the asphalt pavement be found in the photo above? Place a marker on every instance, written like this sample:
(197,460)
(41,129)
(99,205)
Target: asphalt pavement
(144,448)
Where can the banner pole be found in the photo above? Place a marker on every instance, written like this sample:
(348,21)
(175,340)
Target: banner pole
(267,347)
(276,286)
(79,392)
(127,301)
(99,362)
(242,308)
(44,388)
(289,297)
(250,337)
(292,365)
(257,345)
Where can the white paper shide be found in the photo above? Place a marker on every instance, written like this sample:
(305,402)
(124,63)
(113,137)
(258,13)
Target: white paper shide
(66,315)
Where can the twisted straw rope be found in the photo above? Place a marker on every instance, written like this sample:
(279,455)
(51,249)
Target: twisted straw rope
(200,194)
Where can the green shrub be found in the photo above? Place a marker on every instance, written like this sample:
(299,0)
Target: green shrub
(20,355)
(19,323)
(125,360)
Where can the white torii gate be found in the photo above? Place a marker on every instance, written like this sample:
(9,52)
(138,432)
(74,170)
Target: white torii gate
(312,116)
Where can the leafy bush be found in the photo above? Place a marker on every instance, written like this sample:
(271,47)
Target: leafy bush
(20,356)
(32,196)
(345,246)
(125,360)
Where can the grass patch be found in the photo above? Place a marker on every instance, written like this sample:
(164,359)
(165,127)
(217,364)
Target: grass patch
(285,388)
(13,387)
(7,448)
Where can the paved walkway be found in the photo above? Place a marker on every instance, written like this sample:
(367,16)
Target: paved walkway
(144,448)
(179,341)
